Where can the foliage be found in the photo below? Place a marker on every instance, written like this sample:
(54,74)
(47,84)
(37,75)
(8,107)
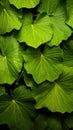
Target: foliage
(36,64)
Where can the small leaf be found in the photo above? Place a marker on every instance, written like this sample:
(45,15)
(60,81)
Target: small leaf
(54,123)
(2,90)
(28,80)
(68,120)
(47,122)
(68,54)
(41,122)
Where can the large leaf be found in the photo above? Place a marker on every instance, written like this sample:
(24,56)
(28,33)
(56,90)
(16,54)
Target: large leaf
(25,3)
(69,5)
(17,111)
(35,33)
(43,66)
(57,13)
(10,59)
(57,96)
(9,17)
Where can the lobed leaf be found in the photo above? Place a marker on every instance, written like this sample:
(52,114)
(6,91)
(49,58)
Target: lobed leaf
(10,59)
(56,11)
(69,5)
(10,18)
(44,66)
(56,96)
(24,4)
(17,111)
(35,33)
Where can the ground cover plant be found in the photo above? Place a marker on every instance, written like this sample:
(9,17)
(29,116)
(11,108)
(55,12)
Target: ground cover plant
(36,64)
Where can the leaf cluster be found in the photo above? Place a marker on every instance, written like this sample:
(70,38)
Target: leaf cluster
(36,64)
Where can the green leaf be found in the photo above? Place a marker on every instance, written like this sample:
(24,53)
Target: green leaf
(28,80)
(54,124)
(2,90)
(35,33)
(10,59)
(68,54)
(57,96)
(17,111)
(48,6)
(68,120)
(47,122)
(69,5)
(56,11)
(10,18)
(43,66)
(24,4)
(41,122)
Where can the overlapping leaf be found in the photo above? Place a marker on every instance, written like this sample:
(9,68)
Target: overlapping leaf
(54,123)
(48,6)
(57,96)
(35,33)
(56,11)
(48,70)
(10,59)
(28,80)
(9,17)
(68,120)
(44,122)
(2,90)
(25,3)
(43,66)
(17,111)
(68,54)
(69,5)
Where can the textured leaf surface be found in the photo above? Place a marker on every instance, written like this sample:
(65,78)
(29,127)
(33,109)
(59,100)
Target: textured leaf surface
(57,96)
(10,59)
(9,18)
(44,66)
(35,33)
(69,5)
(25,3)
(57,13)
(18,111)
